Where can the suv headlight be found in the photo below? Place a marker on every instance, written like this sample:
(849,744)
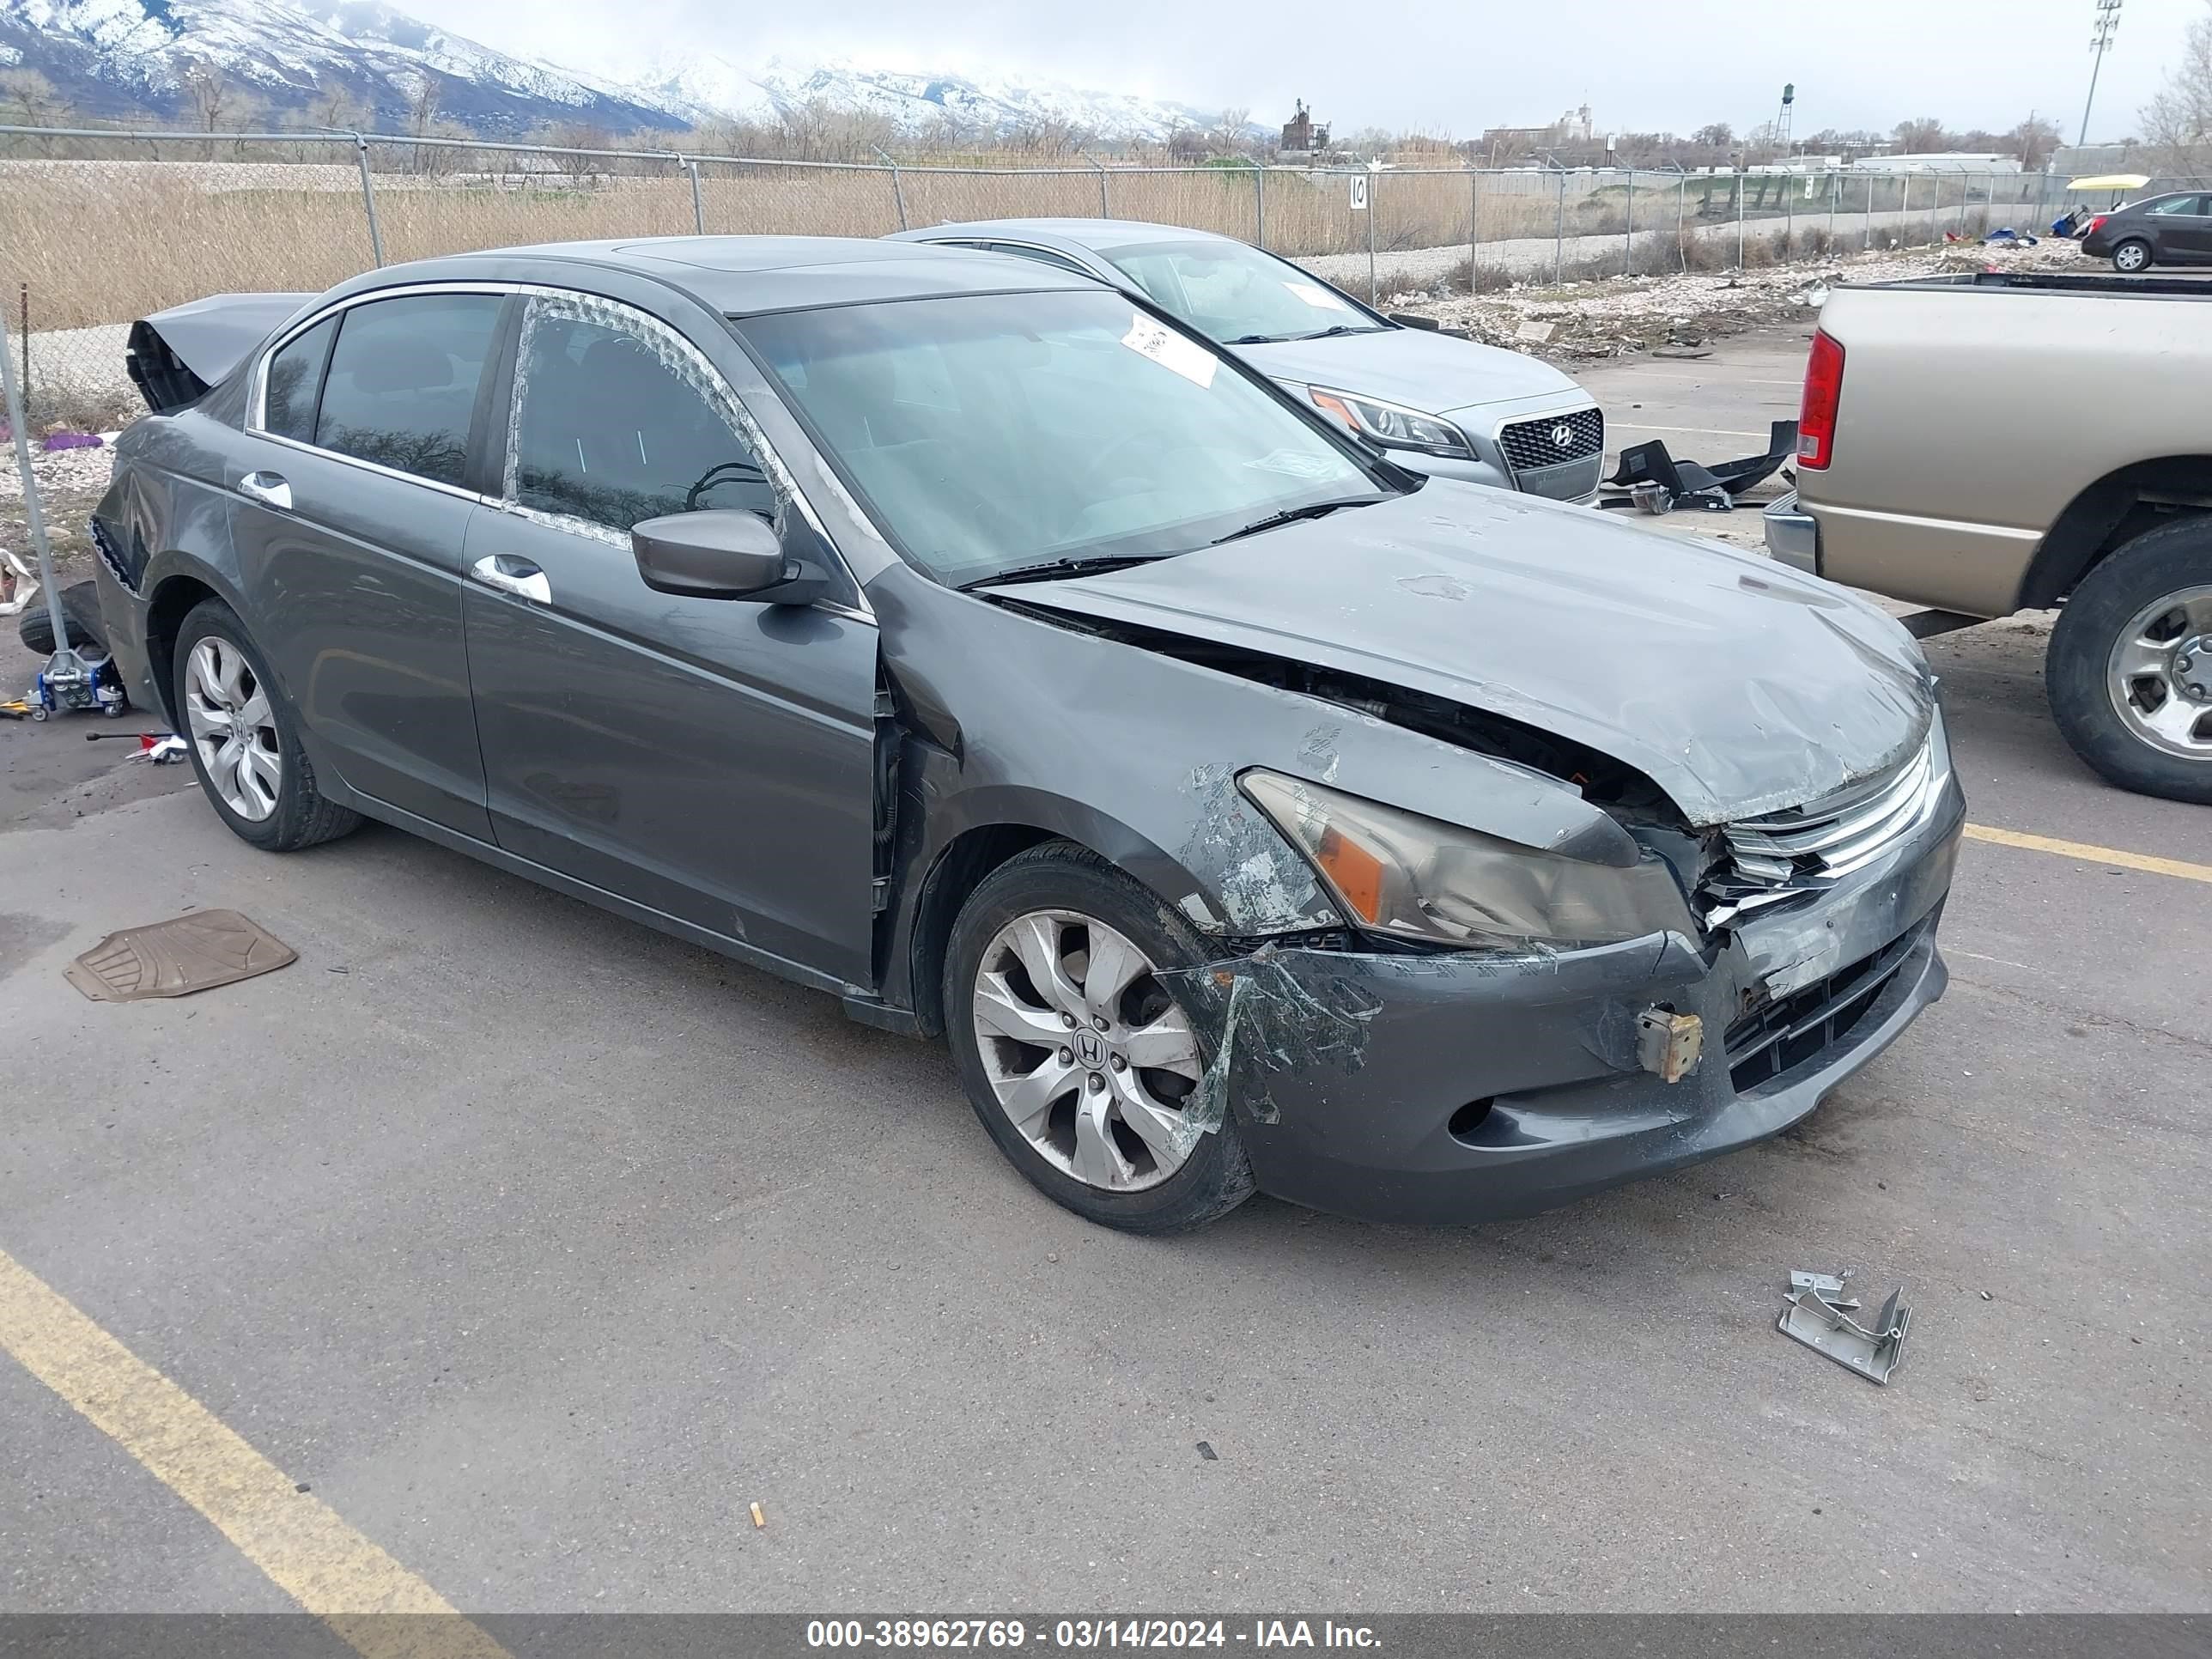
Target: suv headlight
(1392,425)
(1398,872)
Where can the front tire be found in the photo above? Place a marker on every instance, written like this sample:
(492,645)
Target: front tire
(2131,256)
(2130,672)
(1077,1049)
(244,740)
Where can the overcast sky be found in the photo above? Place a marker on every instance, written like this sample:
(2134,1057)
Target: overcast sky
(1448,69)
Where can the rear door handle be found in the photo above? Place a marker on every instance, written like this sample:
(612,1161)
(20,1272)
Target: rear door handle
(513,574)
(269,488)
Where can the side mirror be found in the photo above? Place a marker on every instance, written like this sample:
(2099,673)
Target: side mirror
(1410,320)
(724,554)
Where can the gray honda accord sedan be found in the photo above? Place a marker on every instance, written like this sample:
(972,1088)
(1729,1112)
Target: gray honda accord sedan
(970,641)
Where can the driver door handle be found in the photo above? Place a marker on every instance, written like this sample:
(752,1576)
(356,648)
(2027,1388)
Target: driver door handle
(512,574)
(270,488)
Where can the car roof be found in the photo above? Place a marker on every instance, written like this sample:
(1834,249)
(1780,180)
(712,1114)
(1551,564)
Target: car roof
(1098,235)
(746,275)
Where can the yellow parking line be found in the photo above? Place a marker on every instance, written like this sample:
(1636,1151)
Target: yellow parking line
(2083,850)
(293,1537)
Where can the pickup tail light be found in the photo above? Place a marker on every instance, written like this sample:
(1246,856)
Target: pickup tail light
(1824,389)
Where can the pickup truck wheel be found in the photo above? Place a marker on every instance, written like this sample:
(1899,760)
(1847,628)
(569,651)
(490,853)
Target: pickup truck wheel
(2130,672)
(1078,1052)
(2131,256)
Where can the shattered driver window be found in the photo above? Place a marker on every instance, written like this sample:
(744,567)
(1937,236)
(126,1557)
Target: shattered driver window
(401,386)
(611,426)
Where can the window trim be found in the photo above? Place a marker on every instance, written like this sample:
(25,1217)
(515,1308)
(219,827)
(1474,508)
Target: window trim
(257,406)
(505,415)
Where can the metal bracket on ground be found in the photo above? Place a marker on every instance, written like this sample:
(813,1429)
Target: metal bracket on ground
(1827,1328)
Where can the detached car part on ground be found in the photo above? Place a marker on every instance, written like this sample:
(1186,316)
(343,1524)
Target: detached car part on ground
(967,640)
(1934,466)
(1436,403)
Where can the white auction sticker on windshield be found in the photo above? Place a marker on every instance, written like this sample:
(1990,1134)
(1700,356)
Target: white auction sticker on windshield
(1148,338)
(1319,298)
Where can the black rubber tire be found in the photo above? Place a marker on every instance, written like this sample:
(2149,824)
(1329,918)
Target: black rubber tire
(1060,875)
(2149,257)
(2164,560)
(80,615)
(303,817)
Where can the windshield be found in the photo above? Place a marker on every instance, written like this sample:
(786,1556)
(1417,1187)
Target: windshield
(992,433)
(1236,294)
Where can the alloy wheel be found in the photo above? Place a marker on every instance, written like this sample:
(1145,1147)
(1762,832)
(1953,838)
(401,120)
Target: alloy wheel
(234,728)
(2159,674)
(1089,1058)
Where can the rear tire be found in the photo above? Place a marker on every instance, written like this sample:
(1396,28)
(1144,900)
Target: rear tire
(1096,1118)
(244,738)
(2132,256)
(2129,685)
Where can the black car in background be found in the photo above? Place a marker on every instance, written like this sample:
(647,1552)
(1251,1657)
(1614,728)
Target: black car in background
(2160,230)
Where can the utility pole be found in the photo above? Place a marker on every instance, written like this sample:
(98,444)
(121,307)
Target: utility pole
(2101,42)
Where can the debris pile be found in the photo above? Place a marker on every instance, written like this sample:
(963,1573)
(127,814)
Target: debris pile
(1616,316)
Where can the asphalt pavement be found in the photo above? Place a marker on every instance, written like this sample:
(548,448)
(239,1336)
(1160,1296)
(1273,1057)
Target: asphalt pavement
(535,1248)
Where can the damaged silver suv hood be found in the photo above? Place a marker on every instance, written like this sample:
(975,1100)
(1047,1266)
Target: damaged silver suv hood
(1737,686)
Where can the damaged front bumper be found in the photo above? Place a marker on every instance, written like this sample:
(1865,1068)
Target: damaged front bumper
(1463,1086)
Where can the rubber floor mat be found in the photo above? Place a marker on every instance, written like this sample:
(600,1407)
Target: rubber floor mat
(177,957)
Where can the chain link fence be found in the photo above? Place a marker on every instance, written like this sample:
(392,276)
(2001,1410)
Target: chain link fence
(99,228)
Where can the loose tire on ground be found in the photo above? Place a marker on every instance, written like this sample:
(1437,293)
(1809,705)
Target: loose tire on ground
(297,815)
(2087,690)
(80,614)
(1059,878)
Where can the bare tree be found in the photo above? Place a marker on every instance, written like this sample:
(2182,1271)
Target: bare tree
(2032,140)
(1717,135)
(210,96)
(1921,136)
(2177,122)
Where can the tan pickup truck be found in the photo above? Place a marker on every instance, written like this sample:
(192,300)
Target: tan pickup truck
(1986,444)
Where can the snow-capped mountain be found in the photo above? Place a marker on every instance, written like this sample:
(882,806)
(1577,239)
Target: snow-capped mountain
(702,86)
(134,58)
(362,61)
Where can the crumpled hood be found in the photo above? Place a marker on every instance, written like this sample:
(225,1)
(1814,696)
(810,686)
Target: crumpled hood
(1738,686)
(1411,366)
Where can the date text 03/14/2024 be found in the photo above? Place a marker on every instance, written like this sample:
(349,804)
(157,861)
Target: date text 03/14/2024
(1085,1634)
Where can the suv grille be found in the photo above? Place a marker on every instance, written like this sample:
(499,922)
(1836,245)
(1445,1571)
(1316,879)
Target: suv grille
(1532,445)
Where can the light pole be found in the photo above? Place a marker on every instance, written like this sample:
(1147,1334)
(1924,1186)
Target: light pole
(2101,42)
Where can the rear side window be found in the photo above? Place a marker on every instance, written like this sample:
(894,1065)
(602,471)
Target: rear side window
(295,375)
(618,419)
(403,379)
(2191,206)
(1042,256)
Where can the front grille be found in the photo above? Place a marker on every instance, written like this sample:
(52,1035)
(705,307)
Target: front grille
(1833,837)
(1534,444)
(1786,1033)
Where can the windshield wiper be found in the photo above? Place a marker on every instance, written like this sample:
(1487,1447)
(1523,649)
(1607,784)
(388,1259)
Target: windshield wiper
(1255,339)
(1054,569)
(1332,331)
(1292,515)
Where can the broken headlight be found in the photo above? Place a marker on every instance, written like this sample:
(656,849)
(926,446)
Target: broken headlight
(1392,425)
(1399,872)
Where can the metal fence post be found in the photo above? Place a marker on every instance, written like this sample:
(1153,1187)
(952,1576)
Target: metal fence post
(1259,205)
(1865,230)
(1559,235)
(898,194)
(23,314)
(1835,189)
(698,207)
(1628,267)
(1104,210)
(1681,215)
(34,518)
(1739,218)
(1789,216)
(369,199)
(1374,196)
(1474,223)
